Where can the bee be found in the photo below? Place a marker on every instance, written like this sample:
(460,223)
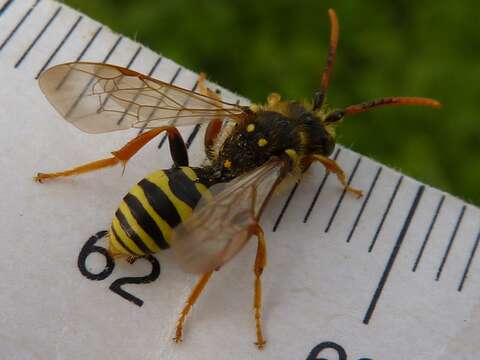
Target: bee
(206,214)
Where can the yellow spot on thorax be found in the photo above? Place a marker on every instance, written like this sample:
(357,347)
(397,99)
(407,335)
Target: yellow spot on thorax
(262,142)
(227,164)
(250,127)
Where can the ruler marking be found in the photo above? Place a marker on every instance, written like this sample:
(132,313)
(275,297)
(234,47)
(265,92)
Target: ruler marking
(19,24)
(159,59)
(194,133)
(134,57)
(427,236)
(5,7)
(285,205)
(172,80)
(59,46)
(154,67)
(342,196)
(80,56)
(385,214)
(393,255)
(130,62)
(39,35)
(162,141)
(175,119)
(112,49)
(450,243)
(364,204)
(319,190)
(90,42)
(192,136)
(196,129)
(469,263)
(173,122)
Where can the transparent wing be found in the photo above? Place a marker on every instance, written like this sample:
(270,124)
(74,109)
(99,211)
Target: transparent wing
(98,98)
(220,225)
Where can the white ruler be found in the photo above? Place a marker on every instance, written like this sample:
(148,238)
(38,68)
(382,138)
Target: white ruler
(393,275)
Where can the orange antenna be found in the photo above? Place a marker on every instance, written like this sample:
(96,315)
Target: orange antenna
(354,109)
(365,106)
(334,31)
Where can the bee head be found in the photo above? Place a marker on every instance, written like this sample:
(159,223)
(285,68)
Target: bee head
(330,118)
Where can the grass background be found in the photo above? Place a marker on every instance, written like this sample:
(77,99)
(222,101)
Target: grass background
(386,48)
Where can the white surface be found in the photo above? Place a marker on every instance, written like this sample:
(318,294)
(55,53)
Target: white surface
(317,287)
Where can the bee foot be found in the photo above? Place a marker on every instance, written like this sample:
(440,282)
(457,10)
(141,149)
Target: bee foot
(260,344)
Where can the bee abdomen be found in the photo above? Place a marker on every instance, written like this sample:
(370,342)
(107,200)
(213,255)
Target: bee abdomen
(147,214)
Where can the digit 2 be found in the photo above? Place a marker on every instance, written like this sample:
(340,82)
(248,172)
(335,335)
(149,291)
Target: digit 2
(116,286)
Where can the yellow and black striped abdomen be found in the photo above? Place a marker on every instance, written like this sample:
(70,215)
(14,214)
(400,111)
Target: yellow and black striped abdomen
(147,214)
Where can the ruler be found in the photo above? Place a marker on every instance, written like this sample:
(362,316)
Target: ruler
(393,275)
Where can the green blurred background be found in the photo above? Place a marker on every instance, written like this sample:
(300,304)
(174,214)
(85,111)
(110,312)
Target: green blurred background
(386,48)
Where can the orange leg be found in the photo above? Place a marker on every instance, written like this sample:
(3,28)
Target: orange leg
(194,295)
(178,151)
(215,125)
(260,263)
(332,166)
(213,129)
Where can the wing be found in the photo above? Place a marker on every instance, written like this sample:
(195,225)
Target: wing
(221,225)
(98,98)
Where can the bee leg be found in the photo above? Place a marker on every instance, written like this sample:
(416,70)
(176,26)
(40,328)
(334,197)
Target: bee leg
(178,151)
(215,125)
(213,129)
(192,298)
(260,263)
(332,166)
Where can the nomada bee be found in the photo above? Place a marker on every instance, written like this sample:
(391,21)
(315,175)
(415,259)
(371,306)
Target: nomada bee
(208,213)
